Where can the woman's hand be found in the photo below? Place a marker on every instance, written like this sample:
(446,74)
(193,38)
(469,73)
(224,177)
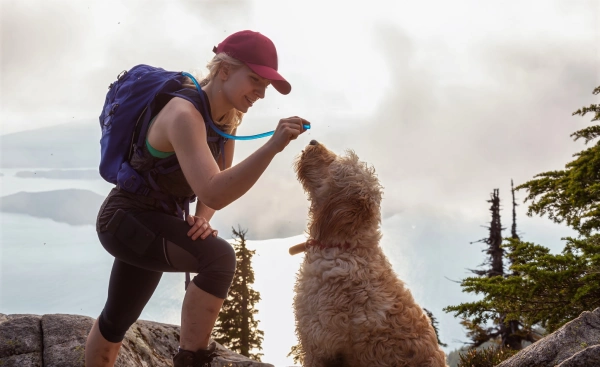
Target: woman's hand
(287,130)
(200,228)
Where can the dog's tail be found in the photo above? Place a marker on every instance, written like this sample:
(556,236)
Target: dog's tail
(296,249)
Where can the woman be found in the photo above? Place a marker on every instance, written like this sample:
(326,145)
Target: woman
(244,66)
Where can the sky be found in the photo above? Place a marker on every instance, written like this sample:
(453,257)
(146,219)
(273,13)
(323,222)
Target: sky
(446,99)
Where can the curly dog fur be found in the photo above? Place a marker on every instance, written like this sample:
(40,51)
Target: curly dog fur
(351,309)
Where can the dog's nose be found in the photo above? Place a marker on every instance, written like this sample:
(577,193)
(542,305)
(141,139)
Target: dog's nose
(313,142)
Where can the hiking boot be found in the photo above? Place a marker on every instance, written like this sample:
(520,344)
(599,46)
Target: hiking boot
(200,358)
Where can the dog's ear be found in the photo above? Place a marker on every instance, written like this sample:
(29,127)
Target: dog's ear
(353,202)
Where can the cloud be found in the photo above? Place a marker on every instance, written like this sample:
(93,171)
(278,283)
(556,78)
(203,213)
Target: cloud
(447,100)
(441,144)
(58,57)
(452,143)
(37,52)
(444,114)
(225,16)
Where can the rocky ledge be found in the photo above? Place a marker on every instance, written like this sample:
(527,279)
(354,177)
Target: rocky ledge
(576,344)
(58,340)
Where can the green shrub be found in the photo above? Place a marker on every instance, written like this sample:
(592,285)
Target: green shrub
(487,357)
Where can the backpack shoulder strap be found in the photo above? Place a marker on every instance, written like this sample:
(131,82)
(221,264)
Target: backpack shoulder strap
(200,102)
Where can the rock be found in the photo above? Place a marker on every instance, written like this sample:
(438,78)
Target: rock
(587,357)
(576,344)
(58,340)
(20,340)
(64,339)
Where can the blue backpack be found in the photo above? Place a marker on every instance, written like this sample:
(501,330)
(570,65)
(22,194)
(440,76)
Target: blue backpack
(136,96)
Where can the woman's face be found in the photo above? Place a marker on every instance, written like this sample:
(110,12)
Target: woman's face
(243,87)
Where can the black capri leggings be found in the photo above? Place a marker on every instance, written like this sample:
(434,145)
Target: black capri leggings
(146,244)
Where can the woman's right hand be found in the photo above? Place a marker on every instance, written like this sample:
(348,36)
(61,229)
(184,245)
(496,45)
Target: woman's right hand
(287,130)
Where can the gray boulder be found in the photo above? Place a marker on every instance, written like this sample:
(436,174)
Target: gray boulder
(576,344)
(59,341)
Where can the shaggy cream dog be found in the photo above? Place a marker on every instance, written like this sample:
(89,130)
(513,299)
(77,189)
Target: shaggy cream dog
(351,309)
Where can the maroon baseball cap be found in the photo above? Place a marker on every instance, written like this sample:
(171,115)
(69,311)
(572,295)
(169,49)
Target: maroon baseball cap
(258,53)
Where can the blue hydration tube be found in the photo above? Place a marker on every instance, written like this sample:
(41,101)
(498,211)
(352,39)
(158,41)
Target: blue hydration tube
(217,130)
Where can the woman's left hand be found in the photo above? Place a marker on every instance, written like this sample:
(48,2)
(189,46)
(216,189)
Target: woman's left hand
(200,228)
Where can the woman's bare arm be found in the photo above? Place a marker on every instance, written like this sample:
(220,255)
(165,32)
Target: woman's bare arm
(215,188)
(202,210)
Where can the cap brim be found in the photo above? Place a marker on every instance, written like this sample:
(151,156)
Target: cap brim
(278,82)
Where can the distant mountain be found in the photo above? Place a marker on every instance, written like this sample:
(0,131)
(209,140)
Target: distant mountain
(71,206)
(71,145)
(59,174)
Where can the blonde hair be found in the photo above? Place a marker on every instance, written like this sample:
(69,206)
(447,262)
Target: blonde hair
(233,118)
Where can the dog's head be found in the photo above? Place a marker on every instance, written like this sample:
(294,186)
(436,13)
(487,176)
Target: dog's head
(345,195)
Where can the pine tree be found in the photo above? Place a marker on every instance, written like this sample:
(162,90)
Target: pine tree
(434,323)
(494,266)
(572,196)
(546,289)
(236,327)
(566,282)
(551,289)
(476,315)
(494,241)
(513,231)
(297,354)
(511,337)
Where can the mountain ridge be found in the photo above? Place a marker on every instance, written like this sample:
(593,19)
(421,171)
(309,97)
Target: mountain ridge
(68,145)
(72,206)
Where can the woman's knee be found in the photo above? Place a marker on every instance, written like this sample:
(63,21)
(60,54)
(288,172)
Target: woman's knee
(225,259)
(217,275)
(113,329)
